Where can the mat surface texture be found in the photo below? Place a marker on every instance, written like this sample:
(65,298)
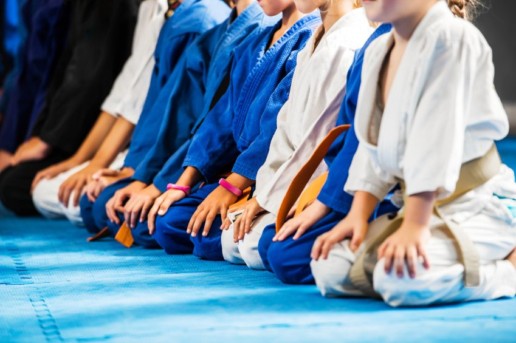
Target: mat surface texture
(56,287)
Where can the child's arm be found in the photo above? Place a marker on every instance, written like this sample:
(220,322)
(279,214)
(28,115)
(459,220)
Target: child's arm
(114,142)
(87,149)
(407,244)
(354,226)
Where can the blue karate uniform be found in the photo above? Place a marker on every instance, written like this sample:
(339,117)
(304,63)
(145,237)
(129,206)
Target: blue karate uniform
(236,134)
(192,18)
(45,26)
(198,82)
(290,259)
(197,85)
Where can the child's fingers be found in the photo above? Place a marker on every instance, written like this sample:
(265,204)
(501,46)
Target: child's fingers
(110,211)
(241,226)
(223,213)
(151,218)
(67,192)
(284,232)
(356,240)
(412,261)
(135,214)
(145,209)
(325,250)
(316,249)
(399,261)
(77,192)
(421,251)
(196,222)
(388,256)
(299,232)
(249,216)
(165,205)
(210,218)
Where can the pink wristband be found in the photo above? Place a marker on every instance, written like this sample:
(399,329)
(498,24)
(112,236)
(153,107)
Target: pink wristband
(184,189)
(229,187)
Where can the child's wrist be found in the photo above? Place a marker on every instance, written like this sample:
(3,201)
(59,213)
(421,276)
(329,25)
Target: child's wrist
(184,189)
(230,187)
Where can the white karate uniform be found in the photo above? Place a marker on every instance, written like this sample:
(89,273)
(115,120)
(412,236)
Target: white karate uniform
(442,111)
(316,94)
(125,100)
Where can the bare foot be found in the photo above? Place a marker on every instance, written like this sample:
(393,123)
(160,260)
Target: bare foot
(512,258)
(5,159)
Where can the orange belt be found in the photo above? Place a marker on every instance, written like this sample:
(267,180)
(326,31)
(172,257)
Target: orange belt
(295,190)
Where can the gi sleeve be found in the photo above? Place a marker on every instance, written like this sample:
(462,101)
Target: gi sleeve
(250,160)
(213,149)
(130,88)
(99,44)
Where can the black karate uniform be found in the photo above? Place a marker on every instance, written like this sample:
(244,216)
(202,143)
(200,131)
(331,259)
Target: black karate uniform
(99,42)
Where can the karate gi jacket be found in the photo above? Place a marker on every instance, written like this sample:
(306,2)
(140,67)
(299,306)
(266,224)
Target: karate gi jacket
(191,18)
(442,111)
(318,86)
(198,85)
(98,44)
(236,134)
(341,153)
(132,84)
(43,27)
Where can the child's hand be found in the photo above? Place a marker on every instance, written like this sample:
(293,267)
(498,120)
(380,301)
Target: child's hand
(298,225)
(33,149)
(242,225)
(405,246)
(52,171)
(139,204)
(161,206)
(104,178)
(75,185)
(350,227)
(119,199)
(216,203)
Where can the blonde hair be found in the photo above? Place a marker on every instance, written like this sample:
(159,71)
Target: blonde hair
(463,8)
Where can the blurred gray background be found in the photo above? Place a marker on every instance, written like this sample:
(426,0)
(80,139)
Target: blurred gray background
(497,21)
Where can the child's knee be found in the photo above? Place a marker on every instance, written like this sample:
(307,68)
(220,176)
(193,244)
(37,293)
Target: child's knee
(404,291)
(98,212)
(86,209)
(143,238)
(265,243)
(160,232)
(45,200)
(230,250)
(332,274)
(286,266)
(173,239)
(248,249)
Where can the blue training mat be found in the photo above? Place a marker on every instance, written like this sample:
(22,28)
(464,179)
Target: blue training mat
(54,287)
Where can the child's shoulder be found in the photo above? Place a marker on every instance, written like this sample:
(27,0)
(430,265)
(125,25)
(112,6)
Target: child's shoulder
(455,32)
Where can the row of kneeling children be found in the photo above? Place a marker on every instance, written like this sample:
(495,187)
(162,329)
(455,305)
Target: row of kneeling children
(342,142)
